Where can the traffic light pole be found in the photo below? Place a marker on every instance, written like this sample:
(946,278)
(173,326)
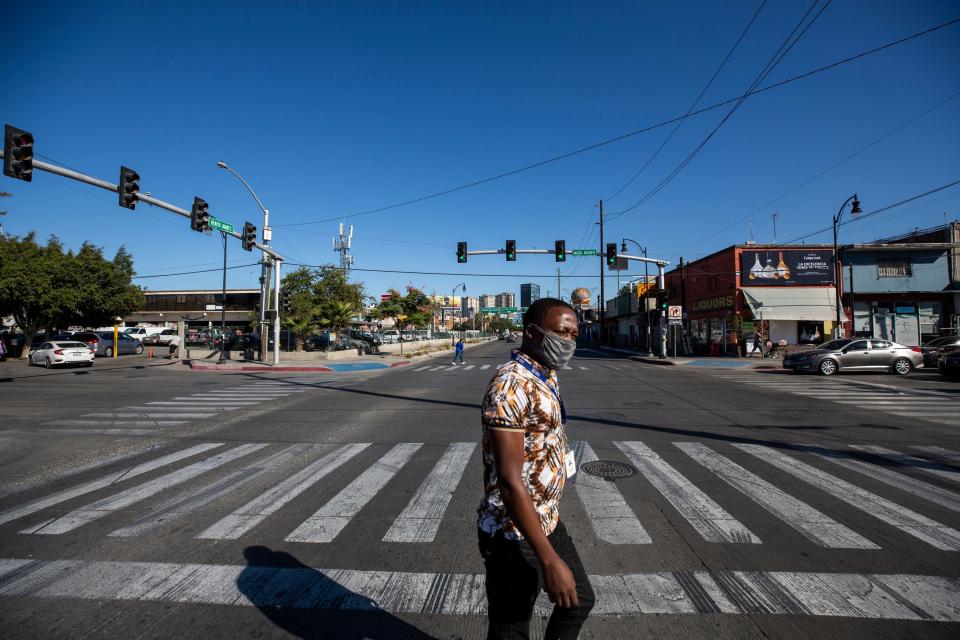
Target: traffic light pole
(276,305)
(661,283)
(223,301)
(602,311)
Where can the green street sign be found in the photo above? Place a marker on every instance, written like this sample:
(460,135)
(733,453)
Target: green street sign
(220,225)
(489,309)
(584,252)
(508,309)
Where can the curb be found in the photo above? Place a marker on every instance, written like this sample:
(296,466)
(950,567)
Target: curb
(659,361)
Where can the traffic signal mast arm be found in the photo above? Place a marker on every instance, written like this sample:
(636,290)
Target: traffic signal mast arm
(493,252)
(109,186)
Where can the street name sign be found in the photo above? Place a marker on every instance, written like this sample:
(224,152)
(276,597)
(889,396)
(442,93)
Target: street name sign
(489,309)
(584,252)
(220,225)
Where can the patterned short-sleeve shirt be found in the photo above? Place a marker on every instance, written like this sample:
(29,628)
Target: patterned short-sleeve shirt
(517,400)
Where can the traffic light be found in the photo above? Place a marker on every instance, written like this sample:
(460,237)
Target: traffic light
(128,188)
(461,252)
(560,250)
(285,301)
(249,237)
(17,153)
(611,253)
(200,215)
(663,300)
(511,250)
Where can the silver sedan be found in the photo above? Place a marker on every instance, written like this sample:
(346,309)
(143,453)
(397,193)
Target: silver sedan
(860,354)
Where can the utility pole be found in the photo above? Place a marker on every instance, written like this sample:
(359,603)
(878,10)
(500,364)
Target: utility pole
(683,299)
(559,296)
(602,311)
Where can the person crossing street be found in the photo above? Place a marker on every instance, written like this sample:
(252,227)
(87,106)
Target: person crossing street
(458,351)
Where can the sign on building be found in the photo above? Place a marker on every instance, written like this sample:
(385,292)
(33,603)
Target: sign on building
(779,267)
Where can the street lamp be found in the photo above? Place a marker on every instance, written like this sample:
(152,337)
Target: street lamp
(646,287)
(854,210)
(264,277)
(452,296)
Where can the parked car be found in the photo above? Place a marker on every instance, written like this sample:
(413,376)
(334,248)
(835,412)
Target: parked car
(949,362)
(102,343)
(931,350)
(165,336)
(61,352)
(855,355)
(139,333)
(390,336)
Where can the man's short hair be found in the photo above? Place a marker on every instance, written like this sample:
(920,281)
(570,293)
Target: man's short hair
(541,309)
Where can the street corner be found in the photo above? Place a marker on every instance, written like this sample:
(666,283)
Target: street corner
(246,367)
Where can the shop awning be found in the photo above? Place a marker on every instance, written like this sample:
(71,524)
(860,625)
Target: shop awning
(793,303)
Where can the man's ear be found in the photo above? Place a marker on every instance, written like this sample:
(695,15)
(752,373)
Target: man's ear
(528,334)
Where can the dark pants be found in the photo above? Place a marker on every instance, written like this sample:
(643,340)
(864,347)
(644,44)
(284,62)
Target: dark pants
(514,580)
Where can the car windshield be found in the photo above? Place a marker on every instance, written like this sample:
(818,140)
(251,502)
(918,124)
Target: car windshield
(834,344)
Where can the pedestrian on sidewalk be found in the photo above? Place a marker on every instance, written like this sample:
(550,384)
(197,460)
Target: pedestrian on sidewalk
(757,343)
(174,346)
(458,351)
(526,461)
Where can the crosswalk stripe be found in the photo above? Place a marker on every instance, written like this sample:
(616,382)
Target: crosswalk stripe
(910,522)
(212,400)
(437,368)
(919,464)
(422,368)
(207,403)
(191,500)
(95,431)
(100,423)
(950,455)
(145,414)
(96,510)
(420,520)
(331,518)
(813,524)
(708,518)
(104,481)
(484,367)
(918,488)
(260,508)
(584,368)
(468,367)
(611,517)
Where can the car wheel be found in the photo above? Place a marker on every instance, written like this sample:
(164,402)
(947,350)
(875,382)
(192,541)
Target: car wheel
(902,366)
(48,364)
(139,349)
(827,367)
(108,352)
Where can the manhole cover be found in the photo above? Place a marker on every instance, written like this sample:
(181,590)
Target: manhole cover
(607,469)
(642,403)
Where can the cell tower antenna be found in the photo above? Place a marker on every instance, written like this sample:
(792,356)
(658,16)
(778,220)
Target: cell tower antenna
(342,245)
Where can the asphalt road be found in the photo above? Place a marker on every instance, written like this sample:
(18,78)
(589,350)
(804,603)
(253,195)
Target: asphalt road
(156,502)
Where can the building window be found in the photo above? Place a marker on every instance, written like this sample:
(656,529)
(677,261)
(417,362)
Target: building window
(893,268)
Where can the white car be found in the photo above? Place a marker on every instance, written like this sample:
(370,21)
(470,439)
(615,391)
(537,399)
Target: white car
(61,352)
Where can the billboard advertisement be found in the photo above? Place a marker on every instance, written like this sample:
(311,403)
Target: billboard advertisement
(779,267)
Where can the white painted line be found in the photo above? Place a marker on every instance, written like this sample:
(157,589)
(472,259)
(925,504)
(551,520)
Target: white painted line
(260,508)
(708,518)
(484,367)
(150,415)
(331,518)
(438,368)
(584,368)
(211,400)
(422,368)
(933,468)
(96,510)
(104,481)
(813,524)
(191,500)
(421,518)
(918,488)
(611,517)
(567,368)
(839,595)
(116,423)
(468,367)
(949,454)
(194,403)
(910,522)
(102,432)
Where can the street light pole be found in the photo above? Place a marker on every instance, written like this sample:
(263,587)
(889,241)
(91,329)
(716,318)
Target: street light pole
(646,287)
(837,276)
(223,302)
(264,270)
(452,296)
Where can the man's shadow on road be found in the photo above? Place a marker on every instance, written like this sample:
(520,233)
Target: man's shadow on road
(306,603)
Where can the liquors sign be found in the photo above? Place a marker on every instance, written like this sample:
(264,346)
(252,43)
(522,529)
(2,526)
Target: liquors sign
(765,267)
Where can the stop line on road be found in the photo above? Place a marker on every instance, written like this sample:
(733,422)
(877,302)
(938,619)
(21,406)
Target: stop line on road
(281,473)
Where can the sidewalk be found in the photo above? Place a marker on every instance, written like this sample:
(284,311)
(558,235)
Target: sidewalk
(701,361)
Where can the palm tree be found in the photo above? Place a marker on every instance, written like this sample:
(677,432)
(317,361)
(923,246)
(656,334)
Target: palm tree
(300,327)
(336,315)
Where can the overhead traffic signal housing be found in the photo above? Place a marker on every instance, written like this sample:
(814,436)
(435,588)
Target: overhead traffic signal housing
(200,215)
(461,252)
(128,188)
(285,301)
(249,237)
(611,253)
(17,153)
(560,251)
(511,250)
(663,300)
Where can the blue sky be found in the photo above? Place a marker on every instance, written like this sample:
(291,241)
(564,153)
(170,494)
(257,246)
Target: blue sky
(330,109)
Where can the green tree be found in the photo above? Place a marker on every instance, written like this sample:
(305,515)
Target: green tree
(322,297)
(336,315)
(45,287)
(416,306)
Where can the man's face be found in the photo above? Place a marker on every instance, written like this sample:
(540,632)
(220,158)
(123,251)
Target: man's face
(560,321)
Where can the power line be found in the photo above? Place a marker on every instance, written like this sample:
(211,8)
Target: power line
(692,104)
(631,134)
(777,57)
(188,273)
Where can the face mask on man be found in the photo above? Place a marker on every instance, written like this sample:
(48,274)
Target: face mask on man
(551,350)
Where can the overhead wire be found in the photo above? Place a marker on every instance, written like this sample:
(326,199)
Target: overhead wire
(777,57)
(636,132)
(693,104)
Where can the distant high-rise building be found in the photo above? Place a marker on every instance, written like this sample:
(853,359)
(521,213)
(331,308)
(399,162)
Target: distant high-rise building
(506,299)
(529,293)
(469,305)
(488,300)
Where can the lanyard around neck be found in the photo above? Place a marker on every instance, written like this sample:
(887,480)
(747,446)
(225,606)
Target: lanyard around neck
(539,374)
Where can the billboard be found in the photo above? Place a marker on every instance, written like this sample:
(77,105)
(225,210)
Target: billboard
(779,267)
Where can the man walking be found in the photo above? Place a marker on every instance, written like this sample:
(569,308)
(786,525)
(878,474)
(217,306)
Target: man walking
(526,461)
(757,342)
(174,346)
(458,351)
